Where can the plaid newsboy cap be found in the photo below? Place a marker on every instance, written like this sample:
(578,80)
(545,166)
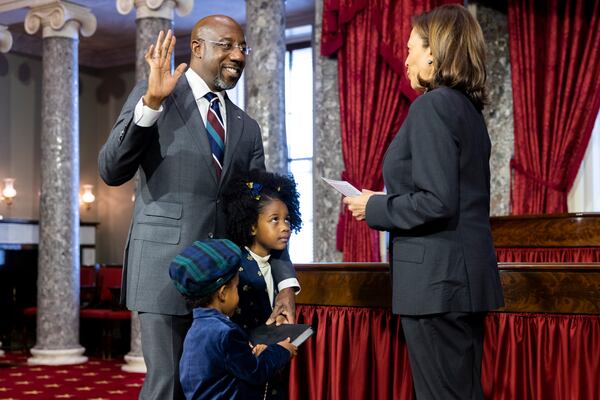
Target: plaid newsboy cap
(205,266)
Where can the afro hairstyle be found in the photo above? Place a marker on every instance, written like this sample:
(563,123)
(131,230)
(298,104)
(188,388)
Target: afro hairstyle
(246,195)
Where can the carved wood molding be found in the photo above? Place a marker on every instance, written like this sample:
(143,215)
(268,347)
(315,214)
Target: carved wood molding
(549,230)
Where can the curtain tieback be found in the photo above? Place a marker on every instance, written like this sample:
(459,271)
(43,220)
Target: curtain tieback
(559,187)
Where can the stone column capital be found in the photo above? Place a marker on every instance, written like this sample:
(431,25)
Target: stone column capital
(155,8)
(60,19)
(6,39)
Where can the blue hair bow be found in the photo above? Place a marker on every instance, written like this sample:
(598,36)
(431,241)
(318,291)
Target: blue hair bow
(255,189)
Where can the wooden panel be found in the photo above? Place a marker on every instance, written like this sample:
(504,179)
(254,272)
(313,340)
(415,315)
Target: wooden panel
(549,230)
(551,288)
(359,285)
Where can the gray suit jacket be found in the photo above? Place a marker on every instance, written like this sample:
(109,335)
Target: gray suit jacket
(436,171)
(177,200)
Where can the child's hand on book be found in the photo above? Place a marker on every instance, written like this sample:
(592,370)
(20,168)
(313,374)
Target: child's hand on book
(259,348)
(287,344)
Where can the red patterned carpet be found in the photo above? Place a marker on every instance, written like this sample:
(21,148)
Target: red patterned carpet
(94,380)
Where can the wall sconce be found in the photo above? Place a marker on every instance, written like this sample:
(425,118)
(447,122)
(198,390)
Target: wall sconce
(87,198)
(8,192)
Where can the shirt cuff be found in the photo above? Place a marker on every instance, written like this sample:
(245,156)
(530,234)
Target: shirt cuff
(290,282)
(144,116)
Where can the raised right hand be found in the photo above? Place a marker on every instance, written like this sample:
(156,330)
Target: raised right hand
(287,344)
(161,81)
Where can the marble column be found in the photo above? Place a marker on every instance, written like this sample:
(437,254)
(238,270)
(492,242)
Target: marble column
(6,39)
(1,351)
(499,113)
(57,336)
(265,77)
(152,16)
(327,152)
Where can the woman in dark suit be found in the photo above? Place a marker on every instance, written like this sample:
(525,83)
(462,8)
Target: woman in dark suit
(436,171)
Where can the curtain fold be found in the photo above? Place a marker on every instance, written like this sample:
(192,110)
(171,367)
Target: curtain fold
(355,354)
(541,356)
(360,353)
(555,62)
(545,254)
(369,39)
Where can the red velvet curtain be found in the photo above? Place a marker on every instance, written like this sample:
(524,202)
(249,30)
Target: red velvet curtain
(355,354)
(545,254)
(369,38)
(555,64)
(541,356)
(360,353)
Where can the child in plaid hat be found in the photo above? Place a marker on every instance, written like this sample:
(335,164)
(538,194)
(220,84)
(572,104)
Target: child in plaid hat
(217,360)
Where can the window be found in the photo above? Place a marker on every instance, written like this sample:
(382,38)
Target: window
(299,130)
(585,193)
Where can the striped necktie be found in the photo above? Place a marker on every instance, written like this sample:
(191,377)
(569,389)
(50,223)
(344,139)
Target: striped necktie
(215,129)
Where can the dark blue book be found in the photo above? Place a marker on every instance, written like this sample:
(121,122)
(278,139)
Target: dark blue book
(269,334)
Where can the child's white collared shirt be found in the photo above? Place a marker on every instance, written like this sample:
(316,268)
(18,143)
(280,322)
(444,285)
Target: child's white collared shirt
(265,269)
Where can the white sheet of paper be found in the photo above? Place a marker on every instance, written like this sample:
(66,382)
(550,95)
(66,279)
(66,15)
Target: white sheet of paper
(344,187)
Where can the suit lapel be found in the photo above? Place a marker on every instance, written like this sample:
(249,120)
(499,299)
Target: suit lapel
(235,127)
(185,102)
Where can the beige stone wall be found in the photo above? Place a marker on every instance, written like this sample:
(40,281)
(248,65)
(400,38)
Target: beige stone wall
(101,96)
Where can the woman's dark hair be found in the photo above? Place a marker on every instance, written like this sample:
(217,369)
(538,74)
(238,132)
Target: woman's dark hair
(458,49)
(246,196)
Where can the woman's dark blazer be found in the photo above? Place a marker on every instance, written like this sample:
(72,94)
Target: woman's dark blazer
(437,175)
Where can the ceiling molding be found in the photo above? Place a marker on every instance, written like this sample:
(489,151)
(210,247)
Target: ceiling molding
(113,44)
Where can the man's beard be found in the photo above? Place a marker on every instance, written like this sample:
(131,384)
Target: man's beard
(220,83)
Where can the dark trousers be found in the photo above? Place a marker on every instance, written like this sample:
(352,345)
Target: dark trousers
(162,345)
(445,355)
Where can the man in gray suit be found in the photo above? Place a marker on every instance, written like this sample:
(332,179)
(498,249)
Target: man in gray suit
(185,138)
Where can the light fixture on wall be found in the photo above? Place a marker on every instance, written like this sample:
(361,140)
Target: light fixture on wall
(8,191)
(87,197)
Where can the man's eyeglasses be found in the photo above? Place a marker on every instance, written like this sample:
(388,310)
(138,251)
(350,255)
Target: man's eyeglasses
(228,46)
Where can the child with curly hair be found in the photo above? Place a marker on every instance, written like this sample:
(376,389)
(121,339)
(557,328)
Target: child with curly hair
(262,210)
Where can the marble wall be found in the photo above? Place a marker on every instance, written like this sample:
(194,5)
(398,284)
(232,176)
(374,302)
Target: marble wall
(146,34)
(327,152)
(499,113)
(265,77)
